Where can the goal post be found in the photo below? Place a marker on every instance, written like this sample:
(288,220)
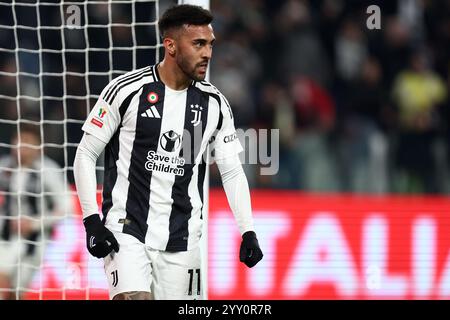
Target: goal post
(55,58)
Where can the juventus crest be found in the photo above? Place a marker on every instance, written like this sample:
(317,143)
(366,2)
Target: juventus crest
(197,110)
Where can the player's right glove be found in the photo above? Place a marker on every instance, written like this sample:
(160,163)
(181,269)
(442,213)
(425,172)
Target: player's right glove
(99,240)
(250,252)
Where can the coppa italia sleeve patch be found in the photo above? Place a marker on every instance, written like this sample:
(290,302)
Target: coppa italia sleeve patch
(98,123)
(98,118)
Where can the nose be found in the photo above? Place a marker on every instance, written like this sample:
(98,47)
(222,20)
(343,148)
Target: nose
(207,52)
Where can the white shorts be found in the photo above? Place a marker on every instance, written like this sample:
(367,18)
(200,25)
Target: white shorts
(167,275)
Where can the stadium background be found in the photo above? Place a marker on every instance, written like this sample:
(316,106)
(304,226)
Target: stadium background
(359,207)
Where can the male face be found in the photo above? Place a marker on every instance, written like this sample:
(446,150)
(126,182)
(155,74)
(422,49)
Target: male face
(193,49)
(27,153)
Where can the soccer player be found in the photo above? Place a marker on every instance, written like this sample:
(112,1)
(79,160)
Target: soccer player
(148,121)
(35,198)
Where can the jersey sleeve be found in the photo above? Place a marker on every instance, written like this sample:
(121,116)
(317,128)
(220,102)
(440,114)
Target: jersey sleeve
(104,118)
(226,143)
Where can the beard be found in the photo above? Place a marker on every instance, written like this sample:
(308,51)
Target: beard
(191,71)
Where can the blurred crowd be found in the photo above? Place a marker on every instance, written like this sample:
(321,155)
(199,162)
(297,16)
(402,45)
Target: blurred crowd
(358,109)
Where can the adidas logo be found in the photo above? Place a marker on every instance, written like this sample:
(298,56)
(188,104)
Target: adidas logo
(151,112)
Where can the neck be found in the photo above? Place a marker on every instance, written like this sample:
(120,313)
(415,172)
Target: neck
(172,76)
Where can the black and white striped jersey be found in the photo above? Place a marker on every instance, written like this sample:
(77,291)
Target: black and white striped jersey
(154,159)
(39,191)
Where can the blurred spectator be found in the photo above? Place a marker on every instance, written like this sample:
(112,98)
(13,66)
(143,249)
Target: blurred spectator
(411,13)
(8,110)
(278,111)
(437,33)
(235,69)
(35,195)
(417,92)
(351,50)
(315,110)
(394,48)
(315,119)
(300,49)
(363,146)
(329,18)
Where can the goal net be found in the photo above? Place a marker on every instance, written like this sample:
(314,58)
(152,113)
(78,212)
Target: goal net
(55,58)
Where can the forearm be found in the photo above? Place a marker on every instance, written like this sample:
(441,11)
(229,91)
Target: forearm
(86,157)
(238,193)
(33,224)
(59,204)
(47,222)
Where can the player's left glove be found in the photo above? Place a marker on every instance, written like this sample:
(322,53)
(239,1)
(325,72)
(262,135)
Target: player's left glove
(250,252)
(100,240)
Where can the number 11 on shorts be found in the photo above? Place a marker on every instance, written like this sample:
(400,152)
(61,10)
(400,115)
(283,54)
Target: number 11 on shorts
(191,280)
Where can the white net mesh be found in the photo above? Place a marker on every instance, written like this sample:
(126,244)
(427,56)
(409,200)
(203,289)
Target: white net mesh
(55,58)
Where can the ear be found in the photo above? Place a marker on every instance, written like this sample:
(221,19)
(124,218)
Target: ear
(169,45)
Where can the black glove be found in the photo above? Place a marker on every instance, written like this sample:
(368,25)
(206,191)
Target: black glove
(99,240)
(250,252)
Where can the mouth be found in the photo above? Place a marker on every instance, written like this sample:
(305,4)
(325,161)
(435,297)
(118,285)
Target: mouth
(203,66)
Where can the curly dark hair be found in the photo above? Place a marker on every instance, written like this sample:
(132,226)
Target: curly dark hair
(179,15)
